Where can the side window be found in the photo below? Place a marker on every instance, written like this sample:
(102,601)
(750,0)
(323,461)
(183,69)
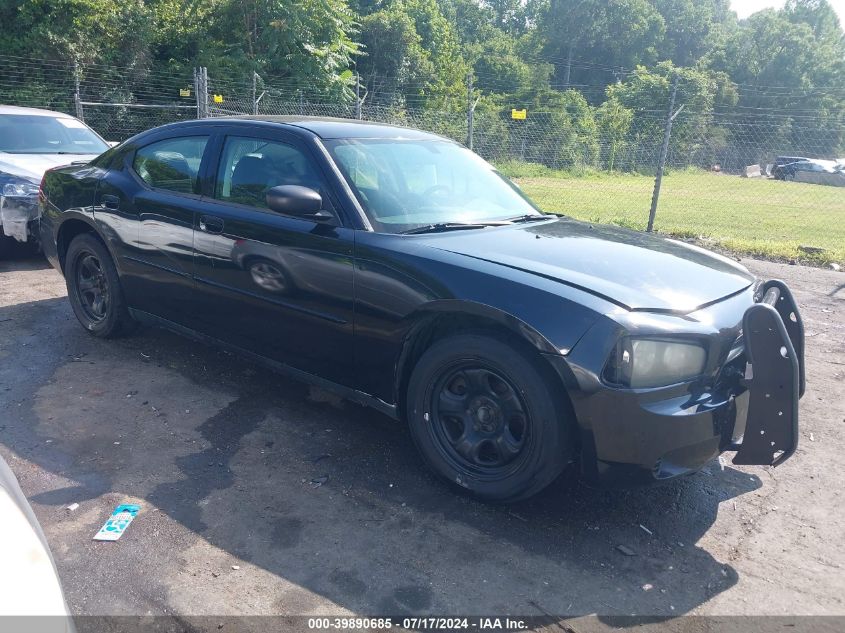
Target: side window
(172,164)
(249,167)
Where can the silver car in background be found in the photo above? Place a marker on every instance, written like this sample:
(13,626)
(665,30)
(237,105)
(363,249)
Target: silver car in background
(31,142)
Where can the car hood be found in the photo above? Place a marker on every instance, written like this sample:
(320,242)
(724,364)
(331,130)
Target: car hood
(33,166)
(637,271)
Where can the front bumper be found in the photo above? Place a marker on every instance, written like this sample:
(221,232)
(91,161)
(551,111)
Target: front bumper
(19,217)
(750,406)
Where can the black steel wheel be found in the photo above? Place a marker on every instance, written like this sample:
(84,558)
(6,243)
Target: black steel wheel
(478,418)
(91,286)
(94,289)
(489,417)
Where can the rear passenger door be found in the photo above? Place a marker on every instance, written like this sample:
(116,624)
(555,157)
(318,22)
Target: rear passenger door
(153,207)
(277,285)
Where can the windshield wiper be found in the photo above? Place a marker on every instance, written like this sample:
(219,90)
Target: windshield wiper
(530,217)
(441,227)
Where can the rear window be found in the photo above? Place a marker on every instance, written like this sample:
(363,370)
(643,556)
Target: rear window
(38,134)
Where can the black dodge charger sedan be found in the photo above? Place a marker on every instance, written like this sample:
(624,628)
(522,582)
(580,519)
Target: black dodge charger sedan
(401,270)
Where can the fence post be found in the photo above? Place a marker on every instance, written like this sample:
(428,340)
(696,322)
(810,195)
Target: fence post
(254,92)
(77,99)
(661,163)
(201,90)
(197,92)
(470,111)
(301,104)
(358,96)
(206,110)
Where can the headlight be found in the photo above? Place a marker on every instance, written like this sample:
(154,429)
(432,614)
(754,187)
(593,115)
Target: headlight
(20,189)
(640,363)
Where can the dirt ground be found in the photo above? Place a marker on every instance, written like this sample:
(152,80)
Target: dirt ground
(261,496)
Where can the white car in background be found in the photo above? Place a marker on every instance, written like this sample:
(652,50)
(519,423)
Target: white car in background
(31,597)
(31,142)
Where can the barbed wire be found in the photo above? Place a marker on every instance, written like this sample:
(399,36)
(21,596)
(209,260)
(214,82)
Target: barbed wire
(594,167)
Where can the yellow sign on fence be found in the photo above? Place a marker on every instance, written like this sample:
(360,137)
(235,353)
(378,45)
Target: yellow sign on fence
(519,115)
(218,98)
(184,92)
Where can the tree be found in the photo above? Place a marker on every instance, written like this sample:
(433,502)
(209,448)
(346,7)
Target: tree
(393,61)
(112,32)
(647,94)
(590,39)
(692,28)
(614,122)
(559,131)
(509,15)
(788,65)
(410,50)
(818,15)
(306,42)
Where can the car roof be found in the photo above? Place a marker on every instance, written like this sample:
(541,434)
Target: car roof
(6,109)
(336,128)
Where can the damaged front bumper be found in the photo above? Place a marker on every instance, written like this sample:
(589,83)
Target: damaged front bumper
(19,211)
(750,406)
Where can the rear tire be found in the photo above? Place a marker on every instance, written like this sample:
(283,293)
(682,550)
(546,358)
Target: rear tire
(485,417)
(94,290)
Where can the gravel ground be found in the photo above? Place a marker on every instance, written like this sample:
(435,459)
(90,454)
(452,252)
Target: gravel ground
(261,496)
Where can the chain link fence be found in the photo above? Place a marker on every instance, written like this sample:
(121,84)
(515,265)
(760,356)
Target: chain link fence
(722,185)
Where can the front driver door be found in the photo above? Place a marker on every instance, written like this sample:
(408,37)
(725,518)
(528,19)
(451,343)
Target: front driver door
(272,284)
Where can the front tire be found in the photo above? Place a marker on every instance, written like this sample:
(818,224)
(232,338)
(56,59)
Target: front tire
(94,289)
(486,417)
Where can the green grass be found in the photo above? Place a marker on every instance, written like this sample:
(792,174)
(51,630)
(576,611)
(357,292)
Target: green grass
(758,217)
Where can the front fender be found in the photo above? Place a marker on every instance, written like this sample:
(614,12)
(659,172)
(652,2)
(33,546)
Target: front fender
(448,313)
(400,289)
(456,307)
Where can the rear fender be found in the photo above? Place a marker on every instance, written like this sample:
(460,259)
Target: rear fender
(72,225)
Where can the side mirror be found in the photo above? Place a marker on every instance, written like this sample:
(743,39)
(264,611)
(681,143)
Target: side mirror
(298,201)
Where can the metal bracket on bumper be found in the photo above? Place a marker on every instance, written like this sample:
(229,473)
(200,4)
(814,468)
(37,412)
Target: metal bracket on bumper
(774,346)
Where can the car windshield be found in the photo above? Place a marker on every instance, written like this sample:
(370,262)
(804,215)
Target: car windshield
(408,184)
(39,134)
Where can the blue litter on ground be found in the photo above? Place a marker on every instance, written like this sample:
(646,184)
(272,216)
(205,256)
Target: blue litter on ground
(117,523)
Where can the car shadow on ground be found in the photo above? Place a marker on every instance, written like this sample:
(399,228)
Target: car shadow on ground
(19,256)
(330,499)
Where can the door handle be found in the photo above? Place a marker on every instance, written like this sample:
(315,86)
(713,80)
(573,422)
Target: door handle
(110,202)
(211,224)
